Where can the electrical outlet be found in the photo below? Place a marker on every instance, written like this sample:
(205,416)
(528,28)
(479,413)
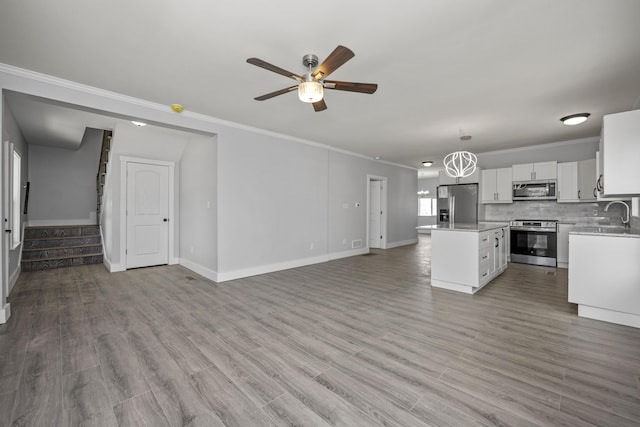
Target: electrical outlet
(344,241)
(311,246)
(595,211)
(191,249)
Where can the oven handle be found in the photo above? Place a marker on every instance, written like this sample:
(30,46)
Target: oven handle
(546,230)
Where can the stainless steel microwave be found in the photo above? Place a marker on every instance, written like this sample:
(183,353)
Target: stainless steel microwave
(535,190)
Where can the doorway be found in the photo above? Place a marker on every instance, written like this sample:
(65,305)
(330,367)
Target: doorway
(149,229)
(376,212)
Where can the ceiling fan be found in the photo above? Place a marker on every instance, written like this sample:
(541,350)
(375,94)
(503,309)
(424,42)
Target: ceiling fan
(311,85)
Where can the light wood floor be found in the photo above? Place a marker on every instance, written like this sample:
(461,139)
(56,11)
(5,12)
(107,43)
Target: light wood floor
(362,341)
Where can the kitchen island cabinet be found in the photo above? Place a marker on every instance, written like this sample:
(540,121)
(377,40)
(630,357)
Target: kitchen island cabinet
(604,273)
(465,257)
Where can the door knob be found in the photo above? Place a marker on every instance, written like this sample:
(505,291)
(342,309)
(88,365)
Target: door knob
(165,219)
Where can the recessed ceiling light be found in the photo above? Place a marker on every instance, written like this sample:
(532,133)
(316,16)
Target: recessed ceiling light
(427,164)
(139,124)
(575,119)
(377,157)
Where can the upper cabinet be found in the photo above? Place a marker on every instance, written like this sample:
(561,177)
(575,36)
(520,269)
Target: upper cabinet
(568,182)
(535,171)
(444,179)
(495,186)
(586,180)
(576,181)
(619,152)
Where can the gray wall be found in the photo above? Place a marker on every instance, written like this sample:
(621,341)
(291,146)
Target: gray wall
(199,203)
(63,182)
(272,201)
(12,133)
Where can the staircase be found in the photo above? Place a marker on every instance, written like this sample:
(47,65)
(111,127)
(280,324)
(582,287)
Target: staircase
(102,169)
(45,248)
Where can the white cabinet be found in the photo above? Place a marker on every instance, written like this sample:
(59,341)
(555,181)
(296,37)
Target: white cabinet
(496,185)
(535,171)
(586,180)
(620,151)
(568,182)
(444,179)
(604,277)
(563,244)
(465,261)
(600,178)
(576,181)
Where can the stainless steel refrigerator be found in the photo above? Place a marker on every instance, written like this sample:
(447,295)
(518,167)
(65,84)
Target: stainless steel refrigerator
(458,204)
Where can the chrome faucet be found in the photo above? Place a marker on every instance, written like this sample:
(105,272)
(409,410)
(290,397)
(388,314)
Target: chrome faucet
(625,219)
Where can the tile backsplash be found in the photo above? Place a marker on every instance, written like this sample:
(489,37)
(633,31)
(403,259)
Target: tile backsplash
(579,213)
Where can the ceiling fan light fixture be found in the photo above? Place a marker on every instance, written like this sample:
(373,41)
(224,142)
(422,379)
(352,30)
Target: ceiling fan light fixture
(310,92)
(427,164)
(575,119)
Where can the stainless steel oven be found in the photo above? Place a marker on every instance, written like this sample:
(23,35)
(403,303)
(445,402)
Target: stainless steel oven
(534,242)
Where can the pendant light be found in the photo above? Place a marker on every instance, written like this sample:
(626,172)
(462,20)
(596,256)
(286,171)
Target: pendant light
(460,164)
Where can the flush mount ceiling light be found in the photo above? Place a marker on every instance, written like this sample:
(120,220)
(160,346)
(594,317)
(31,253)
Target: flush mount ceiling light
(575,119)
(427,164)
(139,124)
(460,164)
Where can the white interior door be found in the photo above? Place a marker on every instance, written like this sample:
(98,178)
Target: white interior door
(147,215)
(375,214)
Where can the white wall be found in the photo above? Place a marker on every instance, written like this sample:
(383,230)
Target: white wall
(199,205)
(63,182)
(149,143)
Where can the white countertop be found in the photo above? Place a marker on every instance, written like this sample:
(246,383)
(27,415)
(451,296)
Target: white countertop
(606,231)
(478,227)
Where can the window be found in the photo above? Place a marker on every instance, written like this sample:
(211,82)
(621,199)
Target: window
(427,206)
(16,187)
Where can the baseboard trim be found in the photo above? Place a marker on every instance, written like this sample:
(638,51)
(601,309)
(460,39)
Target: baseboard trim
(113,268)
(5,313)
(197,268)
(611,316)
(61,222)
(270,268)
(14,277)
(349,253)
(401,243)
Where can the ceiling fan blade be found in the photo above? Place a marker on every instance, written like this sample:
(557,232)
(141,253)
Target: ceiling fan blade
(339,56)
(276,93)
(319,106)
(350,86)
(262,64)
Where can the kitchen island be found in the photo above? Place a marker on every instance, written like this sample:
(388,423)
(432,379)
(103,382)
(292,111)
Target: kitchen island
(604,273)
(465,257)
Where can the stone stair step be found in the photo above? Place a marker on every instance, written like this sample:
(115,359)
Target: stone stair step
(56,242)
(60,231)
(48,264)
(61,252)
